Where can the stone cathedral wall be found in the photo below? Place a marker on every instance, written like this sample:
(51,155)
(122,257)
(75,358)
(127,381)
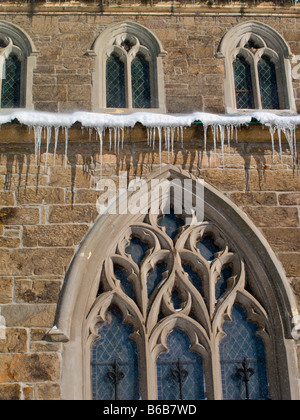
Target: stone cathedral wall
(46,210)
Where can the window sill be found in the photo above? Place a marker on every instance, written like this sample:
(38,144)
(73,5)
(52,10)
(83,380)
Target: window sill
(291,111)
(130,110)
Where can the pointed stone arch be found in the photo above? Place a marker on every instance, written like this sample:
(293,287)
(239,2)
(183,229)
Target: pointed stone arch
(272,308)
(143,42)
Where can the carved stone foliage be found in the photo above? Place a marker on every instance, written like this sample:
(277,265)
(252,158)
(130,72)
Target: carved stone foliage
(164,275)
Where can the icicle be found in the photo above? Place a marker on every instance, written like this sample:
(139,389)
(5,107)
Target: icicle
(115,139)
(160,148)
(289,134)
(38,140)
(228,128)
(100,133)
(172,140)
(272,132)
(222,137)
(123,137)
(49,132)
(66,146)
(181,135)
(280,144)
(205,127)
(110,139)
(56,131)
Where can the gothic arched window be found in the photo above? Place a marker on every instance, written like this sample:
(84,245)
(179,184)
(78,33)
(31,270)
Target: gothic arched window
(11,83)
(129,69)
(17,61)
(174,308)
(258,71)
(179,281)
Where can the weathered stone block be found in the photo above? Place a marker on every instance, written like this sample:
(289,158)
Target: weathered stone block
(41,367)
(24,315)
(53,236)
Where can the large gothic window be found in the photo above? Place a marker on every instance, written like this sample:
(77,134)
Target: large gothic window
(161,305)
(188,286)
(258,70)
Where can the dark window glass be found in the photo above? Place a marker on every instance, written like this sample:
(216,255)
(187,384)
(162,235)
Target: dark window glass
(180,365)
(268,84)
(243,84)
(114,357)
(11,85)
(141,82)
(241,342)
(115,83)
(171,222)
(207,248)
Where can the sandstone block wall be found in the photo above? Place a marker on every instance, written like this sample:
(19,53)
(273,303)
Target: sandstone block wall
(190,36)
(45,213)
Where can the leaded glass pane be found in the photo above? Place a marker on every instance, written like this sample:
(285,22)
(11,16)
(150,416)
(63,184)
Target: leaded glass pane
(126,285)
(190,364)
(207,248)
(241,342)
(11,85)
(112,349)
(194,278)
(141,82)
(243,84)
(115,83)
(137,249)
(268,84)
(221,285)
(172,223)
(155,277)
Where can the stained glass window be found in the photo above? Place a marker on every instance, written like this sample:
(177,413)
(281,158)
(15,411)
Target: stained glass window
(243,84)
(268,84)
(241,342)
(179,371)
(114,361)
(11,85)
(141,82)
(115,83)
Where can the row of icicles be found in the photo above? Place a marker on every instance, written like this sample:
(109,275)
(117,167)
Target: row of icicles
(161,138)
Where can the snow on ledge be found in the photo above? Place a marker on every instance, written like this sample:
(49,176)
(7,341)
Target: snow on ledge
(147,119)
(163,125)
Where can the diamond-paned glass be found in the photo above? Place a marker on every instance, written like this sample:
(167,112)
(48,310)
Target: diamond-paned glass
(115,83)
(114,347)
(268,84)
(190,372)
(243,84)
(11,85)
(140,72)
(241,342)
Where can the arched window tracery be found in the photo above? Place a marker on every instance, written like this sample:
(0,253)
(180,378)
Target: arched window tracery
(181,282)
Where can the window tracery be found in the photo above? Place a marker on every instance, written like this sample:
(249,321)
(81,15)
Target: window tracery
(17,62)
(258,69)
(175,283)
(129,69)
